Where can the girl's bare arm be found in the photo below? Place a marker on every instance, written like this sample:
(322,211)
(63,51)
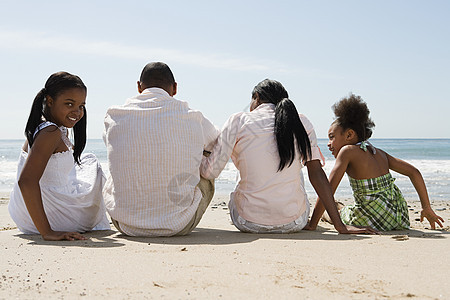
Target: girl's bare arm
(43,147)
(404,168)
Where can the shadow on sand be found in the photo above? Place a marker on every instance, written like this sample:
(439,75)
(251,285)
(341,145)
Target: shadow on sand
(96,239)
(211,236)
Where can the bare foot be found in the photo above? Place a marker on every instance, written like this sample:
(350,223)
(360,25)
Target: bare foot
(326,217)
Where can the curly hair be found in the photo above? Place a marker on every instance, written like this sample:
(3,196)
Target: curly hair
(352,113)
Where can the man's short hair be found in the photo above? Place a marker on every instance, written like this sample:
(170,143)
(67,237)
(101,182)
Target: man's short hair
(157,74)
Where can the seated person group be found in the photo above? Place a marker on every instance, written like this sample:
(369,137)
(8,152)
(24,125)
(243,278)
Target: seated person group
(163,158)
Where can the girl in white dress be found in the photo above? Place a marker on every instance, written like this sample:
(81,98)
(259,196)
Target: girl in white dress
(58,192)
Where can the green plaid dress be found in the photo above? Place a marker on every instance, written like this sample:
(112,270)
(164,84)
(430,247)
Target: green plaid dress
(378,203)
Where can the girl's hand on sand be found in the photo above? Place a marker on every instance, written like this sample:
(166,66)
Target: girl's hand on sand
(431,217)
(61,235)
(349,229)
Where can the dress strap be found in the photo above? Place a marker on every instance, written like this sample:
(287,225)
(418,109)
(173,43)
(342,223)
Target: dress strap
(42,126)
(65,138)
(366,144)
(63,130)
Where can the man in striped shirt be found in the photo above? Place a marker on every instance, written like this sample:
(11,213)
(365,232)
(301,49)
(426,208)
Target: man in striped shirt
(155,145)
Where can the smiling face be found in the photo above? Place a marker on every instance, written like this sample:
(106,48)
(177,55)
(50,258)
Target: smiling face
(67,108)
(337,138)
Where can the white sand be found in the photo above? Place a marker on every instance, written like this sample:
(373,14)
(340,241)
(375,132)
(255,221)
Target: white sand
(217,261)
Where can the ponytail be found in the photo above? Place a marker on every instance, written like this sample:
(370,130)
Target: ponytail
(36,115)
(288,127)
(79,136)
(57,83)
(289,131)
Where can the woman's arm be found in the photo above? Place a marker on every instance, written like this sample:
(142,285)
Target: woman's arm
(213,164)
(336,175)
(416,178)
(322,187)
(43,147)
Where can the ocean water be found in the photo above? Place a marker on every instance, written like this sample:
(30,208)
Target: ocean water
(430,156)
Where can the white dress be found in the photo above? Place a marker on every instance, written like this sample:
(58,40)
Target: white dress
(71,193)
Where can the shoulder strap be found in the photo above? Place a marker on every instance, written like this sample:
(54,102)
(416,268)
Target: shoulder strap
(63,130)
(42,126)
(65,137)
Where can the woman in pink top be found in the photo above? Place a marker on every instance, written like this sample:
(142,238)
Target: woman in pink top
(269,146)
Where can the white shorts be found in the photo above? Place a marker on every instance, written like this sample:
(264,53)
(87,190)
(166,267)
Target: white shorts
(250,227)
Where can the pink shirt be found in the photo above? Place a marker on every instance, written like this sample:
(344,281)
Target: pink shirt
(263,195)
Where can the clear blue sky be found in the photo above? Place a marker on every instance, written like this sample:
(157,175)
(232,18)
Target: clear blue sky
(395,54)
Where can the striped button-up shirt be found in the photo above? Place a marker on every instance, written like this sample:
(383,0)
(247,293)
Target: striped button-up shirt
(155,145)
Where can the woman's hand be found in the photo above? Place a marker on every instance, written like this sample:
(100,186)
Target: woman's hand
(309,227)
(347,229)
(431,217)
(61,235)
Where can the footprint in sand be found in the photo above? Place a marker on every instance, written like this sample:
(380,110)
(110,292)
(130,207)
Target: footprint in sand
(400,237)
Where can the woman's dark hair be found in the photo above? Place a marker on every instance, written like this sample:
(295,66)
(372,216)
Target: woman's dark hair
(55,85)
(288,128)
(352,113)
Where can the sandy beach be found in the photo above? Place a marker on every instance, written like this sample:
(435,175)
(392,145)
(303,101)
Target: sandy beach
(217,261)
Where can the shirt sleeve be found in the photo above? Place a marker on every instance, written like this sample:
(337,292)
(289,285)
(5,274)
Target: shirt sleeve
(210,134)
(316,154)
(212,165)
(106,123)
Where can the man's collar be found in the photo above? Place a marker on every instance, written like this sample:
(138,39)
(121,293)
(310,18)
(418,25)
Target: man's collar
(155,90)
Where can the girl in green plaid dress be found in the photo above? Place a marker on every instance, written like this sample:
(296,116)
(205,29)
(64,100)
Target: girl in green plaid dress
(379,203)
